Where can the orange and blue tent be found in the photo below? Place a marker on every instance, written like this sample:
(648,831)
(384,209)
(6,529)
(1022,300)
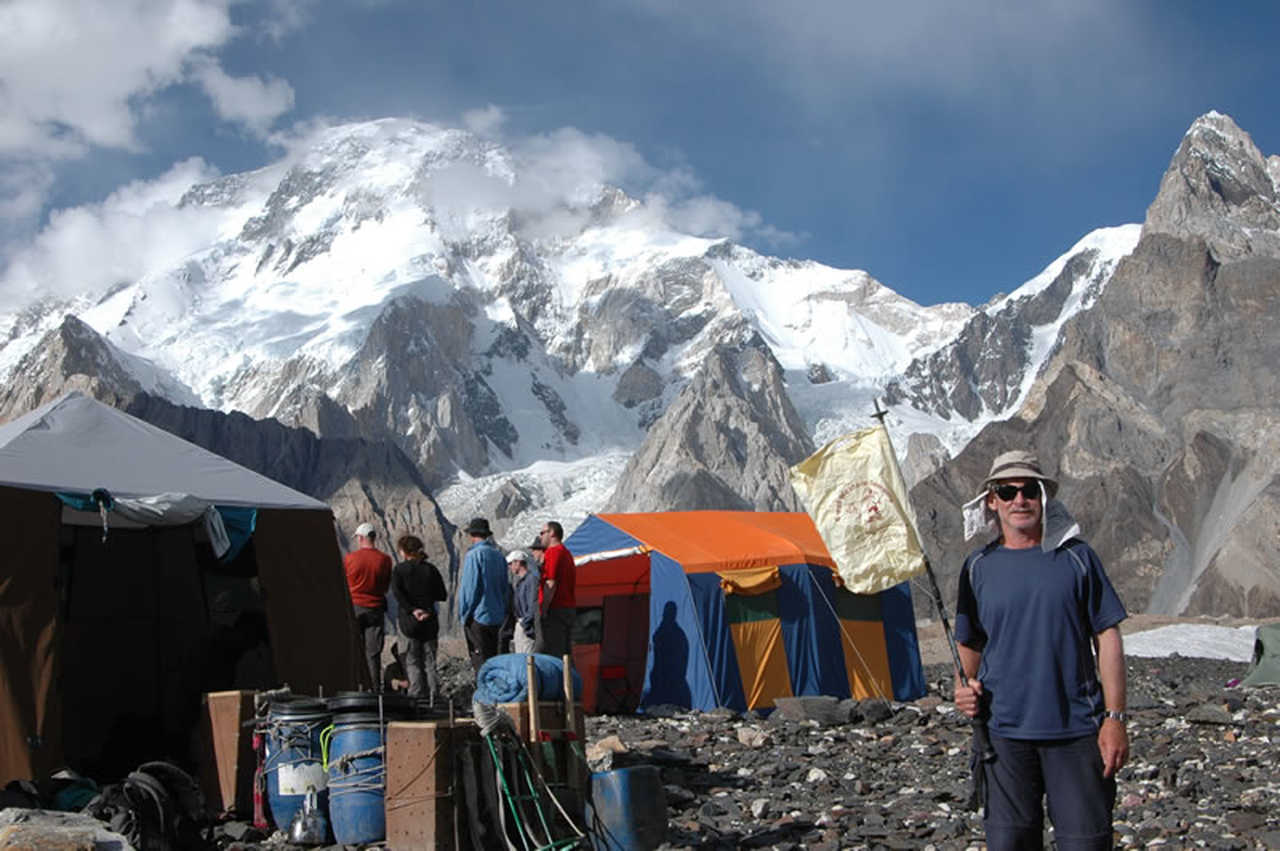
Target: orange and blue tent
(704,609)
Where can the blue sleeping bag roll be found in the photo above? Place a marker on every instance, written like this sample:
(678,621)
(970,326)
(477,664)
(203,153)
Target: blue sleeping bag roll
(503,679)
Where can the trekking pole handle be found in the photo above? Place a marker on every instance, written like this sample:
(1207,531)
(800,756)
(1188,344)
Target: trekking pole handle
(981,735)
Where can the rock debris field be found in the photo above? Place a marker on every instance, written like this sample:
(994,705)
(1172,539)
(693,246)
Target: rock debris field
(1202,769)
(824,774)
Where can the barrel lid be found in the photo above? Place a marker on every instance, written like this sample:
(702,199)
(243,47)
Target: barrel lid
(346,719)
(296,707)
(392,705)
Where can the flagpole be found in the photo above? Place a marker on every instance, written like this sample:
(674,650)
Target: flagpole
(982,738)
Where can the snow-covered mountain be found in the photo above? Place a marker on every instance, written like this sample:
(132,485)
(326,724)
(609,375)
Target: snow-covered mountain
(509,327)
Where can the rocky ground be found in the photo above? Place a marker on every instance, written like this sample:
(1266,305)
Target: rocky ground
(823,774)
(1201,772)
(870,775)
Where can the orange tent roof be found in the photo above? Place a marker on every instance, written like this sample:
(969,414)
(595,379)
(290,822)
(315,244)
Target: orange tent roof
(704,541)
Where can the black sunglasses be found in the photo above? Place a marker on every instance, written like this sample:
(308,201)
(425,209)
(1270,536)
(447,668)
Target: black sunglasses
(1007,493)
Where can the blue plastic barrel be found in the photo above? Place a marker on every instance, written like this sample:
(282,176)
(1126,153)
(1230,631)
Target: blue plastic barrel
(357,779)
(294,762)
(628,809)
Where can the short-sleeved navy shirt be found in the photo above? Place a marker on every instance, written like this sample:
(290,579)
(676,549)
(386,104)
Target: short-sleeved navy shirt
(1033,616)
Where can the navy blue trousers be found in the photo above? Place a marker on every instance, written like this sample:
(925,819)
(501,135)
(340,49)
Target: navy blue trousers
(1068,772)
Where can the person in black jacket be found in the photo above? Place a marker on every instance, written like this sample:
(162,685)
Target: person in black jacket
(418,586)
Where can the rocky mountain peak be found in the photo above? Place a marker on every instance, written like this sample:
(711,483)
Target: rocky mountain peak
(726,442)
(73,356)
(1220,188)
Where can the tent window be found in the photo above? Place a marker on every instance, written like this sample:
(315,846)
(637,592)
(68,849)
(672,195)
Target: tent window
(588,625)
(744,609)
(856,607)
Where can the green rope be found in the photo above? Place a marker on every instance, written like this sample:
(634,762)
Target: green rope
(525,766)
(506,790)
(326,737)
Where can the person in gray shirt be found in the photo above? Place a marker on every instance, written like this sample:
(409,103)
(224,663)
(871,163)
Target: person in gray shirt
(524,601)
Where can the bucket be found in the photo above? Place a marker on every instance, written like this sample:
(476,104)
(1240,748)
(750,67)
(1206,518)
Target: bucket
(628,809)
(293,761)
(357,778)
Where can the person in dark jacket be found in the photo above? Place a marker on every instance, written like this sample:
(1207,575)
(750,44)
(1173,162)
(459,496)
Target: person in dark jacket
(418,587)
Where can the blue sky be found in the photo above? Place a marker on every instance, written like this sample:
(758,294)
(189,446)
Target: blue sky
(950,149)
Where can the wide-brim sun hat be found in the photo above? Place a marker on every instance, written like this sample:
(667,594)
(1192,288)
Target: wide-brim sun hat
(1019,464)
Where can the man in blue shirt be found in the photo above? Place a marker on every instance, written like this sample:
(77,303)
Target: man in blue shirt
(484,594)
(1031,614)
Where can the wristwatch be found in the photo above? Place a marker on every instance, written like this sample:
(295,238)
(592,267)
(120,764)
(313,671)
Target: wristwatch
(1115,715)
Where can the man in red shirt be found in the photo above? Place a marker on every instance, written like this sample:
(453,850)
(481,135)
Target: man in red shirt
(368,578)
(556,599)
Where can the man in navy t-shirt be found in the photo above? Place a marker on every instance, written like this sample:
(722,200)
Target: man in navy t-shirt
(1029,620)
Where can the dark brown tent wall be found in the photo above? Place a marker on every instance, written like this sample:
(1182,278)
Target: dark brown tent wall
(313,632)
(103,661)
(30,716)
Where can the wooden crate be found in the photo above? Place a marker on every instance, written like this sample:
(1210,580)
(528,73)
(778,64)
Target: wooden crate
(225,748)
(420,795)
(550,718)
(570,755)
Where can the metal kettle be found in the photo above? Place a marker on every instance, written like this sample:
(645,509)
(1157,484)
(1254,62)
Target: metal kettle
(310,824)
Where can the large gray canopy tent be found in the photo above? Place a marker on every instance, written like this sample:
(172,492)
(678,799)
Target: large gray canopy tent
(105,639)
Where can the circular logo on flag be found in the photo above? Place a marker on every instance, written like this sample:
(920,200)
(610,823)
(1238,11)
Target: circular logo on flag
(868,504)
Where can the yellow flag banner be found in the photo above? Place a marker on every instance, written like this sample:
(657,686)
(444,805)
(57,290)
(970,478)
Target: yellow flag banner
(853,490)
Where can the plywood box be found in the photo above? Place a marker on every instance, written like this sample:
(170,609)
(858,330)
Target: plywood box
(226,753)
(420,798)
(570,765)
(551,718)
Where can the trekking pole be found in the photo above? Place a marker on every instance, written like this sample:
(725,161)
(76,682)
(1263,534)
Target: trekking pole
(981,736)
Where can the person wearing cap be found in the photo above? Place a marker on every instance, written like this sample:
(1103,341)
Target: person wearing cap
(524,601)
(484,594)
(368,572)
(557,600)
(1033,608)
(417,586)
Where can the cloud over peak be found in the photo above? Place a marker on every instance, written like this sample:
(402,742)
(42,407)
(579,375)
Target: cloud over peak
(76,75)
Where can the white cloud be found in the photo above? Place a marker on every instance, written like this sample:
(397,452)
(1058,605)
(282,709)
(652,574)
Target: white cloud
(250,101)
(23,186)
(574,165)
(139,229)
(79,74)
(562,174)
(485,122)
(286,16)
(70,68)
(704,215)
(559,177)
